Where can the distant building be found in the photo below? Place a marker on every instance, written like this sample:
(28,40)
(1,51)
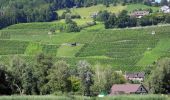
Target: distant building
(94,14)
(119,89)
(165,9)
(139,14)
(137,76)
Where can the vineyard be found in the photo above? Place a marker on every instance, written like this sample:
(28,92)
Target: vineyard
(125,49)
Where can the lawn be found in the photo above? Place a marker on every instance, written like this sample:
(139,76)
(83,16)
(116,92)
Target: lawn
(69,97)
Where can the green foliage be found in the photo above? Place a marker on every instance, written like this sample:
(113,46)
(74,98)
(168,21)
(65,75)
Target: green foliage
(50,49)
(5,85)
(75,83)
(68,50)
(85,74)
(72,26)
(159,79)
(59,77)
(138,97)
(85,12)
(167,19)
(20,12)
(102,16)
(33,49)
(105,77)
(12,47)
(22,79)
(42,67)
(45,97)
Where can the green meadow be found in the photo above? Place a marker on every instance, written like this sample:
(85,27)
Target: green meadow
(50,97)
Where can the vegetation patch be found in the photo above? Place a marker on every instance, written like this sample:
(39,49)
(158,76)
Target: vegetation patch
(33,49)
(67,50)
(8,47)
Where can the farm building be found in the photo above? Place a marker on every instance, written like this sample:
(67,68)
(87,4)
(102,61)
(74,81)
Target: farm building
(137,76)
(139,14)
(165,9)
(118,89)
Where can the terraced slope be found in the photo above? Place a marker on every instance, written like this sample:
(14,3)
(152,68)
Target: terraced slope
(124,49)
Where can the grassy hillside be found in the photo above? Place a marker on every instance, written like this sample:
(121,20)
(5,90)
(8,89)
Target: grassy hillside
(132,7)
(125,49)
(86,11)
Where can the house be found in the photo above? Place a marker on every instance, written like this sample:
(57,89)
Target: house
(139,14)
(165,9)
(118,89)
(137,76)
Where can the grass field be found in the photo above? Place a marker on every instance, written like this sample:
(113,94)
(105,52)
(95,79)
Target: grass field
(132,97)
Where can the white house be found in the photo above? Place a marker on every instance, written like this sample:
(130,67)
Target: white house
(165,9)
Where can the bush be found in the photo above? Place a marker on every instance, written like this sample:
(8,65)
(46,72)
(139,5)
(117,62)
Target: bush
(75,16)
(72,27)
(58,93)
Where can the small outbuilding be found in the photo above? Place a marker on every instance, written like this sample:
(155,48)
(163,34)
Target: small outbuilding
(118,89)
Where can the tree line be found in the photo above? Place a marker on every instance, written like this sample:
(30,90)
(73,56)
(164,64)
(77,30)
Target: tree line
(44,76)
(123,19)
(19,11)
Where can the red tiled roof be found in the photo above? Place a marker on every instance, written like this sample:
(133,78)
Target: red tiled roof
(126,88)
